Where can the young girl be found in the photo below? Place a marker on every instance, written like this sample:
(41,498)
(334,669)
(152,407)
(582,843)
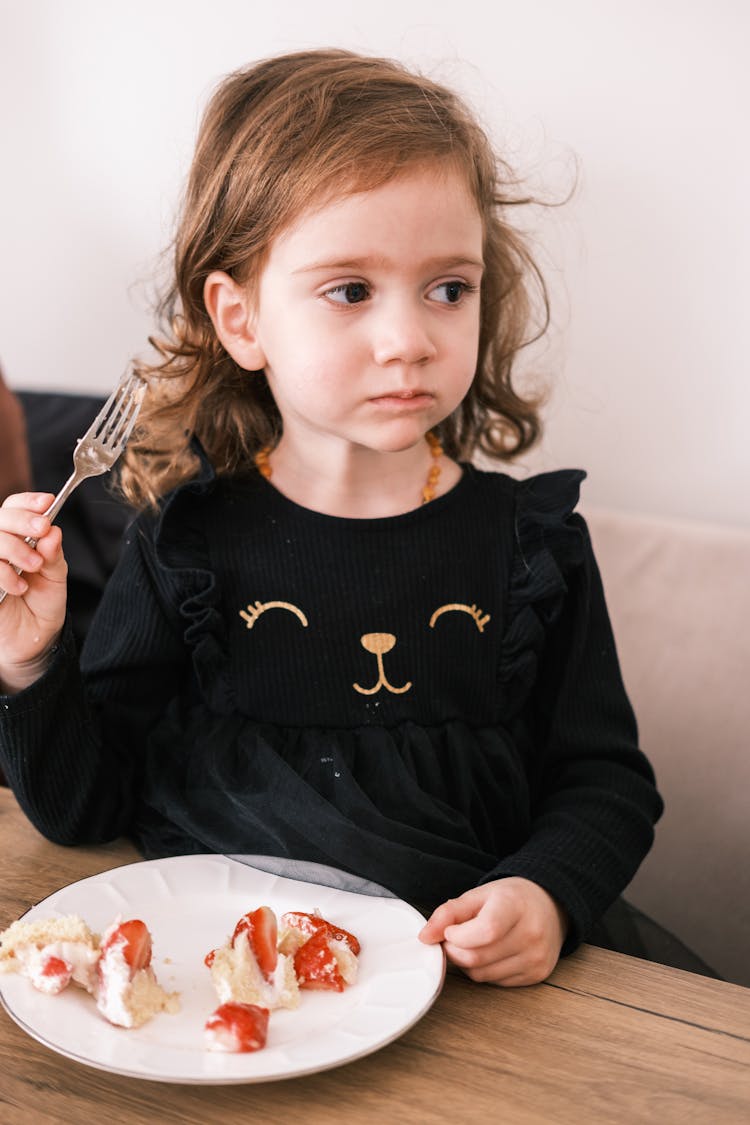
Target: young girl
(330,637)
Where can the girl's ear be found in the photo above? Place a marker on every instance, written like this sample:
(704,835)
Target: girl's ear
(230,308)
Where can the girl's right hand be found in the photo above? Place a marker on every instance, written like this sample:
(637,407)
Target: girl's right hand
(33,613)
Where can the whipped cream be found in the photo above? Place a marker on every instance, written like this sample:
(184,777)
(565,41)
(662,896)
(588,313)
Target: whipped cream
(80,958)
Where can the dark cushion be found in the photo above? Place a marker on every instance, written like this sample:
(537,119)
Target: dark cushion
(15,474)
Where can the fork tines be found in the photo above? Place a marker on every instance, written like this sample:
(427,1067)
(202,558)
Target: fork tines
(116,419)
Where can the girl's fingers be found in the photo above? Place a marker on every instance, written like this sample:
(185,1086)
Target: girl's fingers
(21,518)
(13,583)
(497,966)
(45,560)
(36,501)
(22,522)
(508,971)
(499,947)
(49,546)
(14,550)
(451,913)
(494,923)
(469,959)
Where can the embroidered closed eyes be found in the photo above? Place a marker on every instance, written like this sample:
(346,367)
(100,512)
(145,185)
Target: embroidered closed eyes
(472,611)
(376,643)
(253,611)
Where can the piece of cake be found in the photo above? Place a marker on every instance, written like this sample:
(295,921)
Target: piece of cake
(52,952)
(325,955)
(248,968)
(237,1027)
(128,993)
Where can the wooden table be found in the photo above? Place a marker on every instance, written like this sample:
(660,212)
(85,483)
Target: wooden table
(606,1039)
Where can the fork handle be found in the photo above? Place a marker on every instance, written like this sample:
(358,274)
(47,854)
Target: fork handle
(71,483)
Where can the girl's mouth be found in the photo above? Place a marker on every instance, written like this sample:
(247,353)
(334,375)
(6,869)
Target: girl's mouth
(404,400)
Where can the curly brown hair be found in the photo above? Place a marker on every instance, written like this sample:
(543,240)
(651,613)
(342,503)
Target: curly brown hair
(276,137)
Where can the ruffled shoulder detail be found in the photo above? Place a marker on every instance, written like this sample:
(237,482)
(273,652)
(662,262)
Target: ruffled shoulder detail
(549,544)
(184,564)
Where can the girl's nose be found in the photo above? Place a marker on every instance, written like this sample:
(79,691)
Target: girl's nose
(403,336)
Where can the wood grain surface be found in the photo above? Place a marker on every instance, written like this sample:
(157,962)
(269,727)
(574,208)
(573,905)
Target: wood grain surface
(607,1039)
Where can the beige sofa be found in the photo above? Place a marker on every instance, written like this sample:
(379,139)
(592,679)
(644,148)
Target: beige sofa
(679,597)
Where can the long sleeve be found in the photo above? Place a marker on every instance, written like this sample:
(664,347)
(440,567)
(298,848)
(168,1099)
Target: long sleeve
(72,744)
(594,800)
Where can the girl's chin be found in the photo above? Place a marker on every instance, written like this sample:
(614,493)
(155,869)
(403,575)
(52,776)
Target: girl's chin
(403,427)
(397,439)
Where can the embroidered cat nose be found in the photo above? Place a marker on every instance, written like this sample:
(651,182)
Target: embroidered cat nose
(378,642)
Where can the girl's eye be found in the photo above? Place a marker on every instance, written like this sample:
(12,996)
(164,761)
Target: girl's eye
(353,293)
(451,292)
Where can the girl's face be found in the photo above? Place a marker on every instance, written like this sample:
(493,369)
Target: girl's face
(366,316)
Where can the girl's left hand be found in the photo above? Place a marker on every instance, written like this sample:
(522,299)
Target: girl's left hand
(506,932)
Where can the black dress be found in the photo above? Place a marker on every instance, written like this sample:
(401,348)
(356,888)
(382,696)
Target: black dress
(430,700)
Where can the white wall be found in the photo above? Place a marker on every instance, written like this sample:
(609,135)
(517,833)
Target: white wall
(648,263)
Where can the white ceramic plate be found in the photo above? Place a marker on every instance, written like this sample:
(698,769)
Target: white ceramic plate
(191,904)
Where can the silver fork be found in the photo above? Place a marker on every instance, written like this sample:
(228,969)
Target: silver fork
(105,439)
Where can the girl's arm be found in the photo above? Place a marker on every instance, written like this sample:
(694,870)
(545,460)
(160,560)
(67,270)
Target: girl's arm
(595,799)
(72,746)
(594,806)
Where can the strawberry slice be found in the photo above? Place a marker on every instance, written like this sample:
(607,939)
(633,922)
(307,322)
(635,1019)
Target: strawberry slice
(56,967)
(316,966)
(55,975)
(259,926)
(135,940)
(237,1027)
(312,924)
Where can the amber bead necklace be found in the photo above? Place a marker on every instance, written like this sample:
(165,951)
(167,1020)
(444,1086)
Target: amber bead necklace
(263,465)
